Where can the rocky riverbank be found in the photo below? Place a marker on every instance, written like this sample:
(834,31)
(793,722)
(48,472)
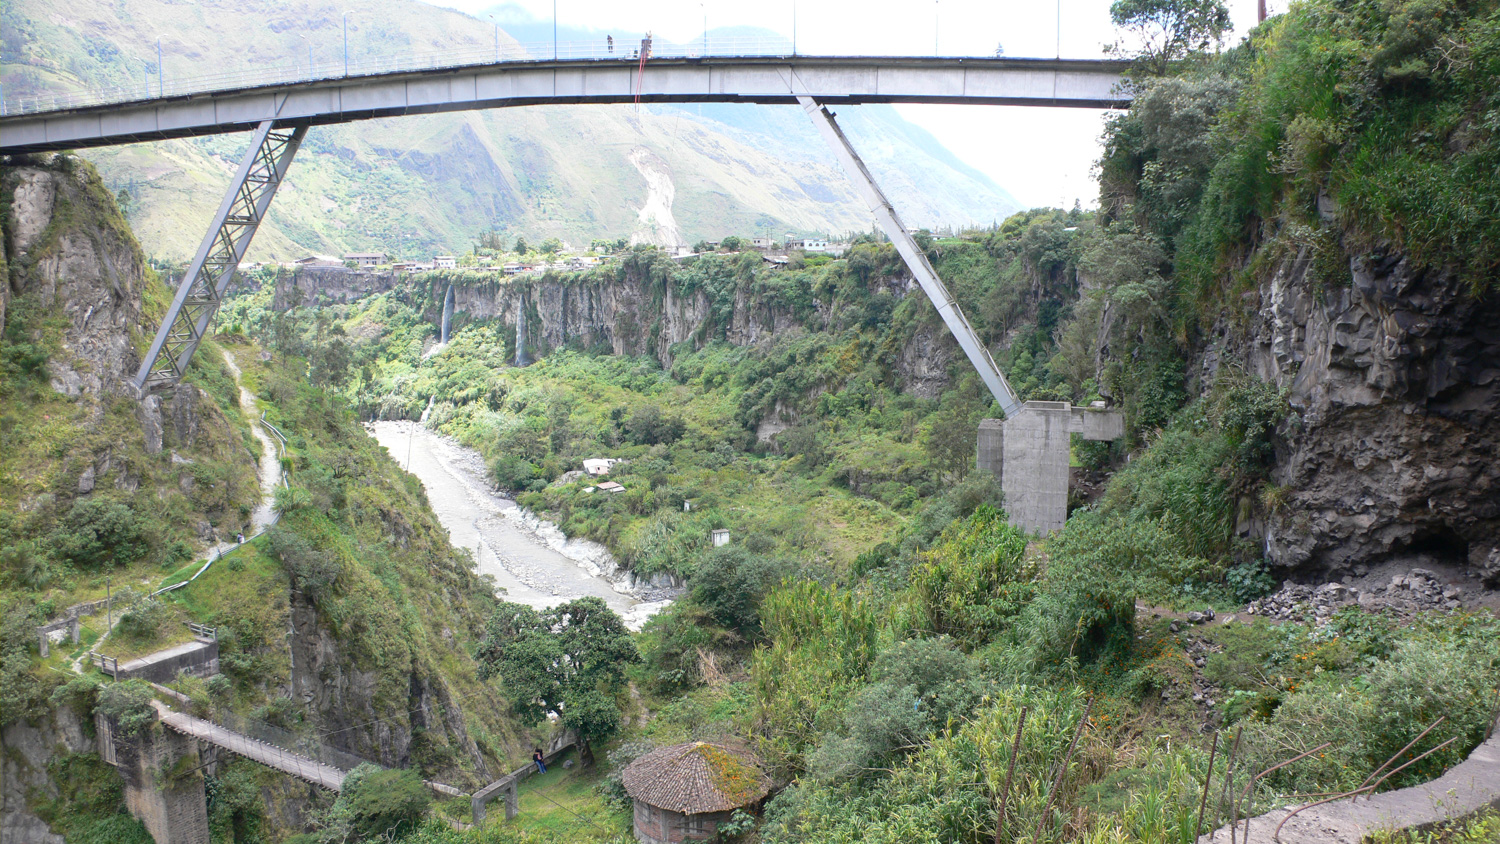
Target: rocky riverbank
(530,559)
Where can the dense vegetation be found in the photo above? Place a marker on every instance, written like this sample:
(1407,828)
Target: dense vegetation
(876,630)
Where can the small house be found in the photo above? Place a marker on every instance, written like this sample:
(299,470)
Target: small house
(445,262)
(599,467)
(720,537)
(683,792)
(319,261)
(611,486)
(761,243)
(366,260)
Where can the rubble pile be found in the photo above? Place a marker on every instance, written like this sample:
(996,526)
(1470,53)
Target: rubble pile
(1416,591)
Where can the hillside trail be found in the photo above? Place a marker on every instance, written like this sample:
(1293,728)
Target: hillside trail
(269,472)
(270,462)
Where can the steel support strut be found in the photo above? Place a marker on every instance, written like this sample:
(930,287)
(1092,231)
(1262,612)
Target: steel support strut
(915,259)
(202,288)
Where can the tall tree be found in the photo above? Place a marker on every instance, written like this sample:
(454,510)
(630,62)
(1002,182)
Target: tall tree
(568,659)
(1161,32)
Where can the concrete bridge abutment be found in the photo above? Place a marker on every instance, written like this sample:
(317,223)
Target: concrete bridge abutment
(1028,453)
(163,780)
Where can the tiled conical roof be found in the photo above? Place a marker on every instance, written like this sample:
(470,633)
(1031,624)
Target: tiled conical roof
(696,777)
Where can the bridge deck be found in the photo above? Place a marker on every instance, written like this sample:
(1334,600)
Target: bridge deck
(753,79)
(323,776)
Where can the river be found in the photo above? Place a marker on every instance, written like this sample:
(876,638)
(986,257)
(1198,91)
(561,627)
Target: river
(531,560)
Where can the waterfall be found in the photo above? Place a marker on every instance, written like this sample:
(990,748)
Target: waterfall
(447,314)
(521,332)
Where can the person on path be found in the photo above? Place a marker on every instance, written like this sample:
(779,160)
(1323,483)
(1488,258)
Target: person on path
(240,537)
(541,765)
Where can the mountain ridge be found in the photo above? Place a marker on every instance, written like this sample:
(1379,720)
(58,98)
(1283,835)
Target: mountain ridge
(417,185)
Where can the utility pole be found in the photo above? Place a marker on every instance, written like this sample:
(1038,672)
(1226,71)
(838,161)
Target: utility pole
(1059,28)
(554,30)
(109,603)
(346,42)
(704,9)
(794,27)
(160,85)
(936,26)
(309,55)
(497,36)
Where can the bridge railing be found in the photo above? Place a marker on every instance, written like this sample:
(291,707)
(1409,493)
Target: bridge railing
(289,741)
(623,51)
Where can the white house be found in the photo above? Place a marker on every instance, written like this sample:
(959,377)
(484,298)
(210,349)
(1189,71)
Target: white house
(445,262)
(365,260)
(599,467)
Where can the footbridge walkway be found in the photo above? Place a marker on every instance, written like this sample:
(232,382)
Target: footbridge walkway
(321,774)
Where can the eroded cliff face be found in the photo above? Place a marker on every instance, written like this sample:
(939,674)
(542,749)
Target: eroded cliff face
(624,313)
(69,248)
(29,745)
(1394,380)
(346,698)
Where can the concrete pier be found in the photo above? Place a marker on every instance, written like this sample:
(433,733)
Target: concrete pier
(1028,452)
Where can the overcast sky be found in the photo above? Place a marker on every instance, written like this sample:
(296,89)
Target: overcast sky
(1042,156)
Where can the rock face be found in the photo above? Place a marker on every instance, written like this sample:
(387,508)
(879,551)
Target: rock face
(634,311)
(70,246)
(28,746)
(325,680)
(1394,379)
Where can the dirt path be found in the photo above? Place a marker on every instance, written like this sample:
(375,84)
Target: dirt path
(269,472)
(270,459)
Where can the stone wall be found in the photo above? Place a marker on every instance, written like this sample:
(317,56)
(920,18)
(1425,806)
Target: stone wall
(201,662)
(163,784)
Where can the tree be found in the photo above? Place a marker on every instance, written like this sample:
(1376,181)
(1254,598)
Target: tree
(521,248)
(1165,31)
(568,659)
(551,246)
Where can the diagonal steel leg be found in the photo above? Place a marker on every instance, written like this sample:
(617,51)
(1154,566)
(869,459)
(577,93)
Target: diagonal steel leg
(916,261)
(202,288)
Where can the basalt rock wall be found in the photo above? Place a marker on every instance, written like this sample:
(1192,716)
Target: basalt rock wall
(1393,377)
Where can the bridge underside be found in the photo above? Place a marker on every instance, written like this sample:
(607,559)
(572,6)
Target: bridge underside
(1027,82)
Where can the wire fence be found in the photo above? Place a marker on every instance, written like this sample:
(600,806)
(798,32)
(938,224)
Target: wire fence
(365,66)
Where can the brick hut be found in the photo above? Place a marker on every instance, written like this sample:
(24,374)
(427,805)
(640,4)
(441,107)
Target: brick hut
(683,792)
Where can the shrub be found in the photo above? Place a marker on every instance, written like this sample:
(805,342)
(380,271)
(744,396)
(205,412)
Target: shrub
(313,571)
(97,532)
(128,704)
(975,580)
(729,584)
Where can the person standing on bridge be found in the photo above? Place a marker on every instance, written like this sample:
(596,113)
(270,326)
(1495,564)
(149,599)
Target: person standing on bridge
(541,763)
(646,47)
(610,41)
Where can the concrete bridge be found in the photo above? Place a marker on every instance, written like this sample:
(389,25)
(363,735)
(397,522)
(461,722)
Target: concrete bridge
(1026,449)
(1079,83)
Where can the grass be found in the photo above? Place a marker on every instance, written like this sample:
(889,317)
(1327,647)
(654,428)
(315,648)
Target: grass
(563,802)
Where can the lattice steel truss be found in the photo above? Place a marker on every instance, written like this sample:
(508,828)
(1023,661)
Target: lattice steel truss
(202,288)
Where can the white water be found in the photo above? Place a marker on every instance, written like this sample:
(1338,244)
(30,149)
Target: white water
(531,560)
